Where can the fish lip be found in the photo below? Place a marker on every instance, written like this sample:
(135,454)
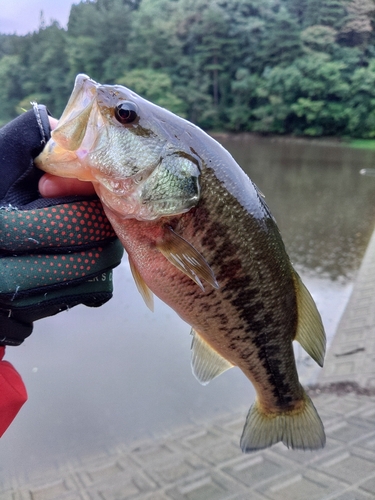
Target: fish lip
(83,81)
(86,88)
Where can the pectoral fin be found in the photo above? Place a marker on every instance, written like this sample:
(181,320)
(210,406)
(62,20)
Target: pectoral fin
(143,289)
(186,258)
(206,363)
(310,330)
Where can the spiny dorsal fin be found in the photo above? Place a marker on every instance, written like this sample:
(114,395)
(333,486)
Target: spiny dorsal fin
(186,258)
(143,289)
(206,363)
(310,330)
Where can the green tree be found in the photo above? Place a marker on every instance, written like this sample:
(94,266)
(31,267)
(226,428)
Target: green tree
(308,97)
(362,102)
(212,49)
(196,62)
(328,13)
(358,25)
(45,67)
(297,9)
(319,38)
(279,66)
(84,56)
(153,42)
(246,99)
(155,86)
(98,37)
(11,87)
(246,28)
(9,45)
(281,43)
(277,90)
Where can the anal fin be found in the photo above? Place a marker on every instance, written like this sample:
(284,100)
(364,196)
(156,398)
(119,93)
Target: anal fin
(310,330)
(143,289)
(206,363)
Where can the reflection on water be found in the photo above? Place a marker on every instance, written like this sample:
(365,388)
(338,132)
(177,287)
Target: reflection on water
(99,378)
(325,210)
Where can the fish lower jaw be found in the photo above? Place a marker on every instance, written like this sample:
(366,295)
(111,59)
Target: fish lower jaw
(65,165)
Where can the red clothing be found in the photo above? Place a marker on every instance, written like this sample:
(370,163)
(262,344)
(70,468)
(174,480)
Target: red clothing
(12,393)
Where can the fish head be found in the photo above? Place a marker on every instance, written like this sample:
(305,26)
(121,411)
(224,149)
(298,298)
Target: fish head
(128,147)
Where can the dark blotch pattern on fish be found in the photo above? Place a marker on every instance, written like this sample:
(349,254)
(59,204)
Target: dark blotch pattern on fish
(261,321)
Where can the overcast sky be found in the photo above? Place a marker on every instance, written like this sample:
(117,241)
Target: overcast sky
(23,16)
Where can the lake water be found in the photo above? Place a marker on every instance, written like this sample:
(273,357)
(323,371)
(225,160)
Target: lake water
(99,378)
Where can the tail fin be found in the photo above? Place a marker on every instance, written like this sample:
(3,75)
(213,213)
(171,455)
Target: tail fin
(298,430)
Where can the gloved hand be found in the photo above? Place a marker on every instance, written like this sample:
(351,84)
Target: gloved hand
(54,253)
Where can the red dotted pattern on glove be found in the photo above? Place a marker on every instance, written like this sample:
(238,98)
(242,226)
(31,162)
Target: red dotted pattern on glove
(42,269)
(42,246)
(60,225)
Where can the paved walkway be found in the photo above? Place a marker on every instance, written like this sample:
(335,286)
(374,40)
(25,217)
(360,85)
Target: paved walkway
(203,461)
(352,353)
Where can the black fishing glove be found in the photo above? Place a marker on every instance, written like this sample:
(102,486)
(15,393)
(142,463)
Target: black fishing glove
(54,253)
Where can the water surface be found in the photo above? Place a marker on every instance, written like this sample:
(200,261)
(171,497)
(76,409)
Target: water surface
(325,210)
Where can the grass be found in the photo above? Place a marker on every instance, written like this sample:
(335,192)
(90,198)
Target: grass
(362,143)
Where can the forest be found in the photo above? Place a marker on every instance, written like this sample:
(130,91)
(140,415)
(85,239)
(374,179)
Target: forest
(300,67)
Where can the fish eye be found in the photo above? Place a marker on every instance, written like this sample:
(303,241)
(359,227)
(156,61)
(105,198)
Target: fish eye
(126,112)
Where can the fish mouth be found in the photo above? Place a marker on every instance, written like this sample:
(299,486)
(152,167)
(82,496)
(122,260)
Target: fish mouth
(59,157)
(83,83)
(82,97)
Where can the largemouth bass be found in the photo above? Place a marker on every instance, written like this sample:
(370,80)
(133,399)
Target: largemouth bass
(200,236)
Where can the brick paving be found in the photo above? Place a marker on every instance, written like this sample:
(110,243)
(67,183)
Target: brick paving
(203,461)
(352,353)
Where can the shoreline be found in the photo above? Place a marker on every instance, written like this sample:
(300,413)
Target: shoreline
(354,143)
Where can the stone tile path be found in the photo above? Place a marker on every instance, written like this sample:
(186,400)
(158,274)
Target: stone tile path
(352,352)
(204,463)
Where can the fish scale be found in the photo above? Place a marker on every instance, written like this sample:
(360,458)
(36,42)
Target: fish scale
(200,236)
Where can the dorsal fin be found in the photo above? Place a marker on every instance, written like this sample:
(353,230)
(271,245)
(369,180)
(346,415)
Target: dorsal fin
(310,330)
(186,258)
(143,289)
(206,363)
